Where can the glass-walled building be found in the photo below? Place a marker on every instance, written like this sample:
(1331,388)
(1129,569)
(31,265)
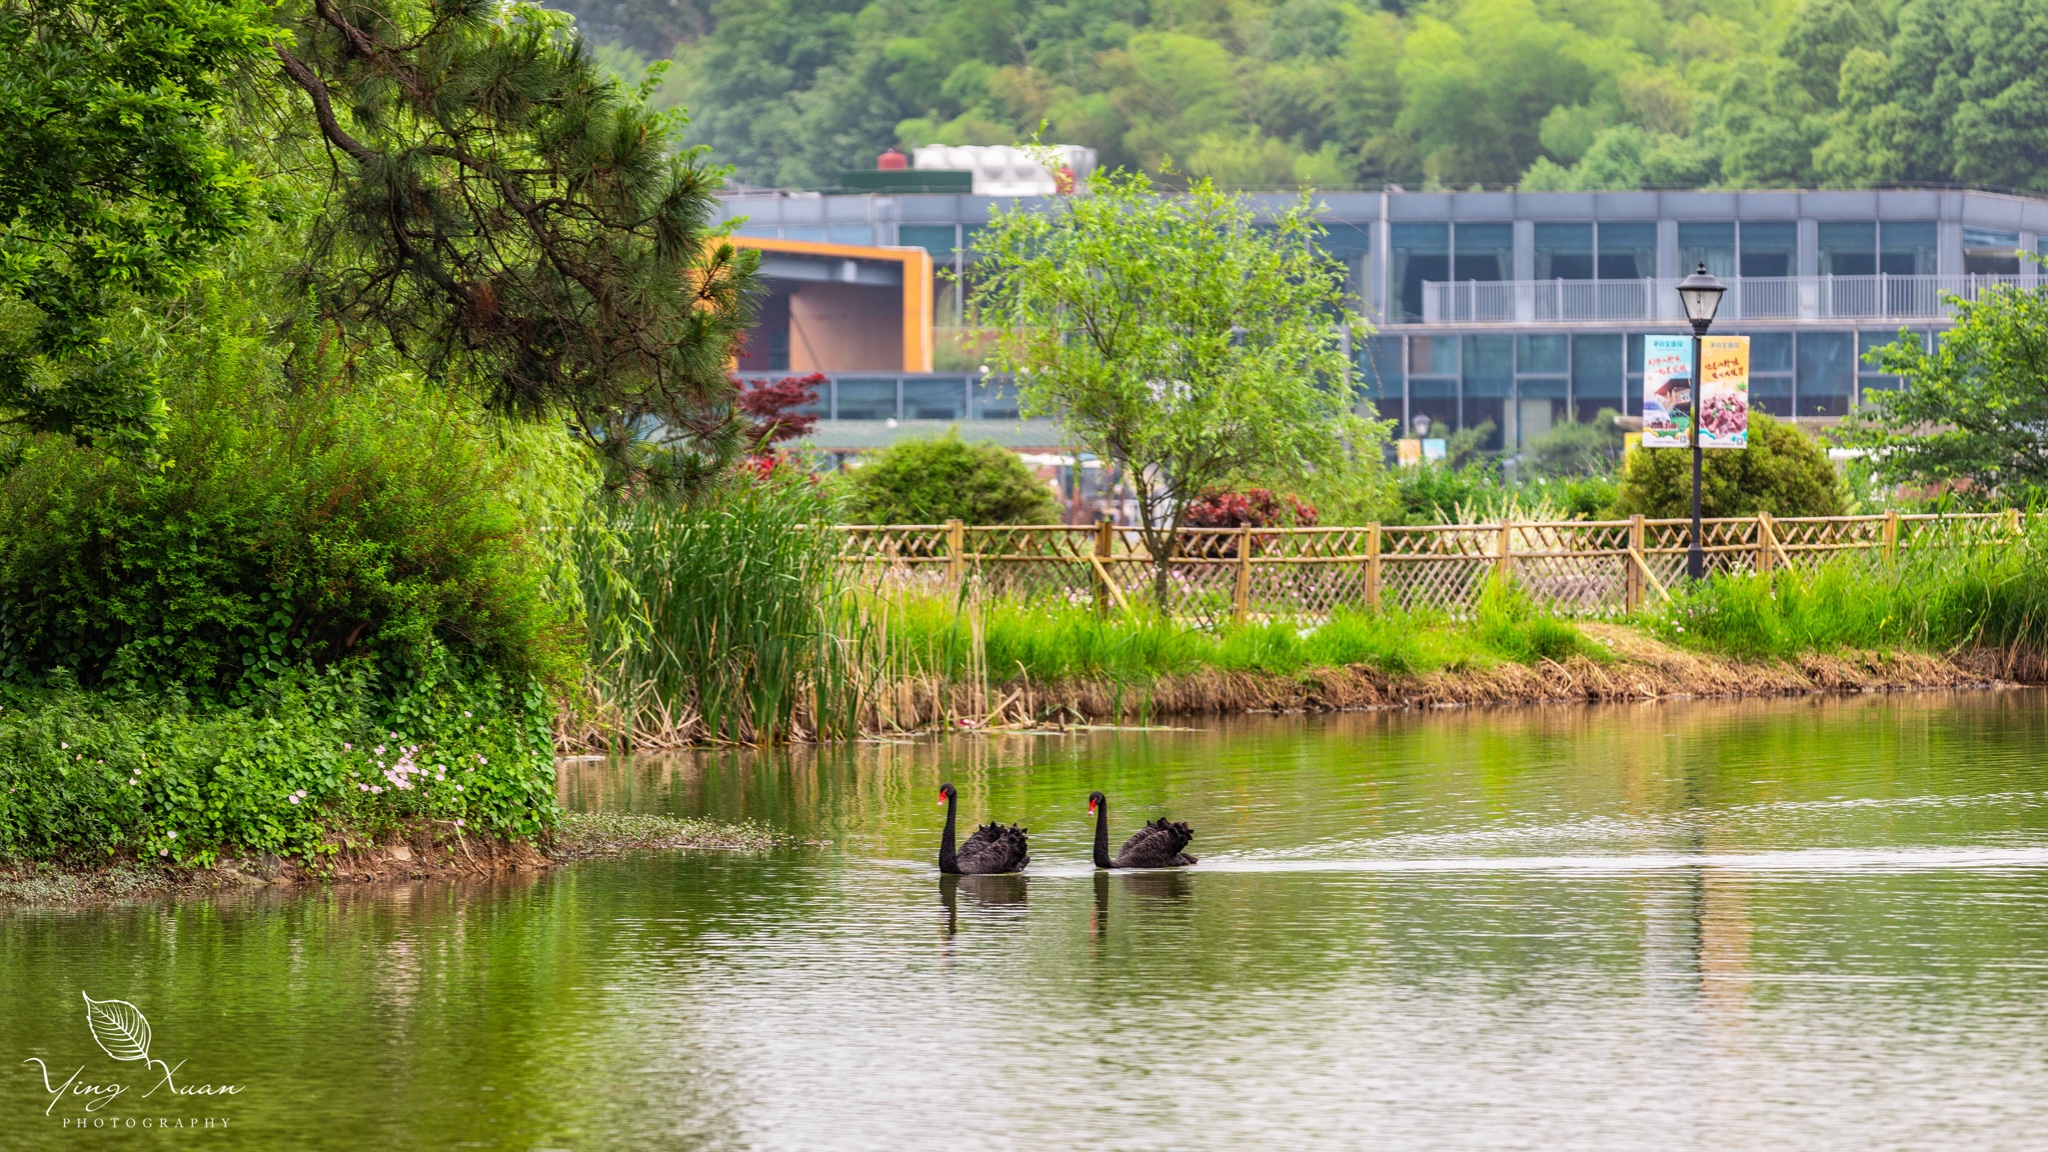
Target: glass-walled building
(1526,309)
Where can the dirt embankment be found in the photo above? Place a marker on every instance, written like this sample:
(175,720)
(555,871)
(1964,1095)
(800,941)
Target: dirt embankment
(418,853)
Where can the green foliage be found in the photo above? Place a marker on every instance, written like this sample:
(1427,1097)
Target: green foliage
(1172,336)
(116,187)
(1974,410)
(1576,449)
(288,528)
(728,608)
(1930,597)
(1783,471)
(515,221)
(934,480)
(1267,94)
(309,760)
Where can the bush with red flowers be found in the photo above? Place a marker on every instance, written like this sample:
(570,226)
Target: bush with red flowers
(1253,508)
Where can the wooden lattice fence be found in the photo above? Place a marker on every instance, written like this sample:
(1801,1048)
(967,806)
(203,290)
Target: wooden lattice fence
(1581,568)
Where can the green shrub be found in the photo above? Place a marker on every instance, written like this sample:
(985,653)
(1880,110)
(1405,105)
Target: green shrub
(1575,449)
(287,528)
(932,481)
(1783,471)
(94,774)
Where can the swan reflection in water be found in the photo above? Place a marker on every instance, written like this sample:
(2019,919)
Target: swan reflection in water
(1000,893)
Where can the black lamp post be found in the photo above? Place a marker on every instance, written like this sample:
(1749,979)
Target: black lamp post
(1702,296)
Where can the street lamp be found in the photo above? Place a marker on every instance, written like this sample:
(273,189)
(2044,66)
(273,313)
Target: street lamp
(1701,294)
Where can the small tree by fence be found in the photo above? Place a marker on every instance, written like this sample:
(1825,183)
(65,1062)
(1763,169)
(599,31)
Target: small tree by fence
(1581,568)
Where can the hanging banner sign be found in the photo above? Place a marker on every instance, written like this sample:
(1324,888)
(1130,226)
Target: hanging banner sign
(1667,390)
(1724,392)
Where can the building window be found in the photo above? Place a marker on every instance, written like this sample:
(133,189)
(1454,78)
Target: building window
(937,239)
(1564,252)
(1848,248)
(1628,251)
(1436,398)
(1633,399)
(1489,383)
(1598,379)
(1351,246)
(870,399)
(992,398)
(1989,252)
(1770,373)
(1770,249)
(1377,362)
(1907,248)
(1542,390)
(934,400)
(1432,355)
(1421,252)
(1827,373)
(1483,252)
(1711,244)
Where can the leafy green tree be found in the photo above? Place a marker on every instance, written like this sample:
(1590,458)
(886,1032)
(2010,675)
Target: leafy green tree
(1577,449)
(1783,471)
(932,481)
(1177,337)
(1974,410)
(517,222)
(1956,94)
(115,186)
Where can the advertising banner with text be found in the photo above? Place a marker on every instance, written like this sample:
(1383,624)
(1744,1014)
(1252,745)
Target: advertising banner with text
(1724,392)
(1667,391)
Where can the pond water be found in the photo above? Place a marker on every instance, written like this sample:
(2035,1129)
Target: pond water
(1810,924)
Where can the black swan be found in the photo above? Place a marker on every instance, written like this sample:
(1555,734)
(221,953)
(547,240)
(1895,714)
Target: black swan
(1155,845)
(992,849)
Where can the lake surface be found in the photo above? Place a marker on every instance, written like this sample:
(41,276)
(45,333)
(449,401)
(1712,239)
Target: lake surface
(1801,924)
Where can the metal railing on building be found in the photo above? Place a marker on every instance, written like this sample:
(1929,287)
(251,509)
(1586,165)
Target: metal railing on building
(1880,297)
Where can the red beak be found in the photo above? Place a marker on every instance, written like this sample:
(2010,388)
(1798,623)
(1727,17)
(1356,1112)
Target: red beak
(942,800)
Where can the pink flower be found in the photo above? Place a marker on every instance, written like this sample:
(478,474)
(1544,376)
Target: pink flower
(293,799)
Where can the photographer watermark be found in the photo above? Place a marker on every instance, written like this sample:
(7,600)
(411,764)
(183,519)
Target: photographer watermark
(122,1032)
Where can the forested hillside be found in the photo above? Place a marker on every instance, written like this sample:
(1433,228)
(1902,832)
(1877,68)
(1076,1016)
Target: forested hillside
(1329,93)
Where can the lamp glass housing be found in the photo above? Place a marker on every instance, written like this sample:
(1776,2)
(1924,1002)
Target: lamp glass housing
(1701,293)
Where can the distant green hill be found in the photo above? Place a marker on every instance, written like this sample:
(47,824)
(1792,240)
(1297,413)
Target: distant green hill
(1556,94)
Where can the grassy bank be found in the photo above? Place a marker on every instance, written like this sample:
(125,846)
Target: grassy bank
(419,850)
(1989,602)
(302,768)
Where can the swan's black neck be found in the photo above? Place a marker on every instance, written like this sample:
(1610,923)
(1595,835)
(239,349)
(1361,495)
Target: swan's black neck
(949,861)
(1102,835)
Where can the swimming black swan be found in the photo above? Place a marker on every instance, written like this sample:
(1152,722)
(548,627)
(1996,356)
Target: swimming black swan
(992,849)
(1155,845)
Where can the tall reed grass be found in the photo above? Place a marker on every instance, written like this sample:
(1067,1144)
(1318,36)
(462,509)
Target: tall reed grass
(725,619)
(1933,597)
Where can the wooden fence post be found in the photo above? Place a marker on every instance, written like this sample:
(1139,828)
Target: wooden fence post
(2012,521)
(956,547)
(1372,566)
(1104,537)
(1764,541)
(1632,596)
(1241,602)
(1503,563)
(1891,536)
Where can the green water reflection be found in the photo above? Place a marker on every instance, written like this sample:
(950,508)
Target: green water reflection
(1798,924)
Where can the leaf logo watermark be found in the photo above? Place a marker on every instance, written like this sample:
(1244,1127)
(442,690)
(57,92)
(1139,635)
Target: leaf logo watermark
(121,1029)
(123,1033)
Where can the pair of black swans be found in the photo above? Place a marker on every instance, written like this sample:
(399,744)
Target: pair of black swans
(996,849)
